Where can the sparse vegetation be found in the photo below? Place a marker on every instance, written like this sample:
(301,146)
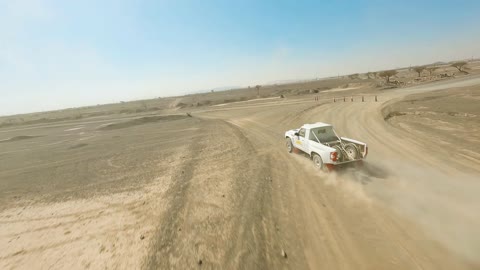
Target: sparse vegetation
(387,74)
(353,76)
(431,70)
(419,70)
(460,65)
(258,89)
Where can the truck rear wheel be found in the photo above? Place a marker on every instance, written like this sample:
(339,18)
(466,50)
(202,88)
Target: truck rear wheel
(317,161)
(289,145)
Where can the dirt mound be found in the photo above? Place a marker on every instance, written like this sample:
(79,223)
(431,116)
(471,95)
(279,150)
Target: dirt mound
(393,114)
(80,145)
(181,105)
(19,138)
(142,120)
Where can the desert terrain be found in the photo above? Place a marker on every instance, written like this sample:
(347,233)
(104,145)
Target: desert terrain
(205,182)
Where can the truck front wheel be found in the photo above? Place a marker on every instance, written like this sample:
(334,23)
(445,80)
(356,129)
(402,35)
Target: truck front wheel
(289,145)
(317,161)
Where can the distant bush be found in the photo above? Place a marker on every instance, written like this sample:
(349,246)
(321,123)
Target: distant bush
(353,76)
(460,65)
(303,92)
(419,70)
(387,74)
(258,89)
(431,70)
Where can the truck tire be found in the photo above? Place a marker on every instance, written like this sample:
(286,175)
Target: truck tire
(352,151)
(317,162)
(289,145)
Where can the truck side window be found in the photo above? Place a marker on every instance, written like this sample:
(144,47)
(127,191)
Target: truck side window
(302,132)
(312,136)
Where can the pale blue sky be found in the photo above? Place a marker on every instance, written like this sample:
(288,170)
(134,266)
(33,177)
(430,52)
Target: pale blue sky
(57,54)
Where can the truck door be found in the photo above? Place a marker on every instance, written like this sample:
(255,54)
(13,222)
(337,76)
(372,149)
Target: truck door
(300,141)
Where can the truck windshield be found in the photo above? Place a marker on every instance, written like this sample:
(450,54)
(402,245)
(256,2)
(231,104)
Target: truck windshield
(324,134)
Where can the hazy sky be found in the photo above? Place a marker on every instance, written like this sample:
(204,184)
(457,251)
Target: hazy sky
(57,54)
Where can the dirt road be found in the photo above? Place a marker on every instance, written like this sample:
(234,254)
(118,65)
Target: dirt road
(406,209)
(220,191)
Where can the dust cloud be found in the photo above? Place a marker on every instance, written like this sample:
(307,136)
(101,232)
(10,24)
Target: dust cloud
(446,206)
(344,180)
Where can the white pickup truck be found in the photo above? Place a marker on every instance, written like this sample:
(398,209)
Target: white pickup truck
(324,146)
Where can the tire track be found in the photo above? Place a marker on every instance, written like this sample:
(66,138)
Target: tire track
(235,233)
(167,232)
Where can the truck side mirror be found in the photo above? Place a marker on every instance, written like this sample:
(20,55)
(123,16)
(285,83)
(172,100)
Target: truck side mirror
(297,134)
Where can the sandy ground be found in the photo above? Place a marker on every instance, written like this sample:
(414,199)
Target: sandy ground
(219,190)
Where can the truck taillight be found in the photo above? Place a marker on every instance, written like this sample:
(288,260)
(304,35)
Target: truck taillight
(333,156)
